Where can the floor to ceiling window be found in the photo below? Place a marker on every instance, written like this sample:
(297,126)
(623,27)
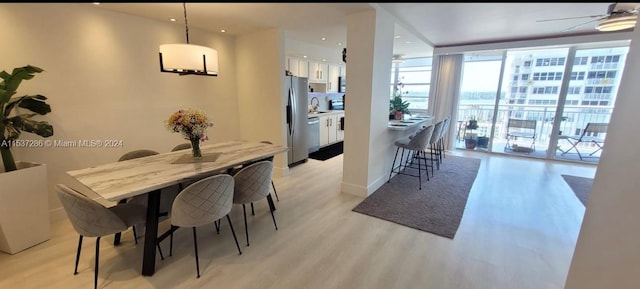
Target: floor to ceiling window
(540,101)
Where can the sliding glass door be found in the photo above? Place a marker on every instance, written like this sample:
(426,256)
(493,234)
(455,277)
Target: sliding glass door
(476,105)
(537,102)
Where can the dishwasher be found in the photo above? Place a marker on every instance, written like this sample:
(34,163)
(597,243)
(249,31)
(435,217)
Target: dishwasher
(314,134)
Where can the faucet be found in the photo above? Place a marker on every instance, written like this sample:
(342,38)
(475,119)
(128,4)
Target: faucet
(315,107)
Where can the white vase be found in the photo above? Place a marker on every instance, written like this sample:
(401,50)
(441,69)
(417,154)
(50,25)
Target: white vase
(24,207)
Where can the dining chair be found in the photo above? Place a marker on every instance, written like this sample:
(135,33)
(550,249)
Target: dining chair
(167,198)
(92,219)
(235,170)
(202,203)
(182,146)
(252,183)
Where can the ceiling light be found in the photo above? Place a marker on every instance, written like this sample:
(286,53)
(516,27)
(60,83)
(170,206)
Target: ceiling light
(408,42)
(186,59)
(339,43)
(397,59)
(617,23)
(172,19)
(96,3)
(324,59)
(223,30)
(304,56)
(397,36)
(323,39)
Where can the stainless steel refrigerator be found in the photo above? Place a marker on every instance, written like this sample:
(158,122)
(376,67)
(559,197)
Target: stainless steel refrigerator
(297,113)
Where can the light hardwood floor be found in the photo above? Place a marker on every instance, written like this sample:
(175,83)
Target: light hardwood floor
(518,231)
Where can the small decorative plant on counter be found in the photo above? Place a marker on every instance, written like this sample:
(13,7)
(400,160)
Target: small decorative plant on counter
(192,124)
(11,125)
(398,107)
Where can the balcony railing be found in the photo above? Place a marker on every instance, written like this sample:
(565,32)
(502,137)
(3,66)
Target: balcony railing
(574,120)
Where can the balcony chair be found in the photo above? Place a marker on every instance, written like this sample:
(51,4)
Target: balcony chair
(521,128)
(592,133)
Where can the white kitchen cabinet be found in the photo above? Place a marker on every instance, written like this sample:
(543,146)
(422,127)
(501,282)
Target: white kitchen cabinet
(318,72)
(332,78)
(330,132)
(298,67)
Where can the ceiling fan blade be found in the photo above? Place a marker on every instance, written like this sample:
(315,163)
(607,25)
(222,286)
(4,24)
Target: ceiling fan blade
(576,26)
(568,18)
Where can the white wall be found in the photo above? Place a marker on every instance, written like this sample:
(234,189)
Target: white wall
(103,81)
(607,253)
(261,101)
(367,139)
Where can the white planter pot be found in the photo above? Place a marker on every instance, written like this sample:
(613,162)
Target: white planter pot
(24,207)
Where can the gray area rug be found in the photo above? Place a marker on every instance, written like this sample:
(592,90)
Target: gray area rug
(581,187)
(437,208)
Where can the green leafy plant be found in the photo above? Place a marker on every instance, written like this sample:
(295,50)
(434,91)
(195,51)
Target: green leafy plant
(11,125)
(398,104)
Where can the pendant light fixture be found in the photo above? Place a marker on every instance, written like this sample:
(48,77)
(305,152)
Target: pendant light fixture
(188,59)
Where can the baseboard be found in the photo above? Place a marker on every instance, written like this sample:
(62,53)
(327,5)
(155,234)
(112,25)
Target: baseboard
(355,190)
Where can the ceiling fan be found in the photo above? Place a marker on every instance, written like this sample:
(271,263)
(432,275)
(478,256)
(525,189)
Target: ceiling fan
(619,16)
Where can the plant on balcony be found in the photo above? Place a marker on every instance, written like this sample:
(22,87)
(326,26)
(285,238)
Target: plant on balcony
(11,125)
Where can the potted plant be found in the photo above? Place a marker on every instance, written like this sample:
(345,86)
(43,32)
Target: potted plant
(398,107)
(482,142)
(470,138)
(24,204)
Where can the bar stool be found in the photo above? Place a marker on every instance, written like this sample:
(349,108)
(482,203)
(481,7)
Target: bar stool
(417,145)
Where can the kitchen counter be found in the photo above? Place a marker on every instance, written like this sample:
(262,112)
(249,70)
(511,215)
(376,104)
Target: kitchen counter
(409,123)
(325,113)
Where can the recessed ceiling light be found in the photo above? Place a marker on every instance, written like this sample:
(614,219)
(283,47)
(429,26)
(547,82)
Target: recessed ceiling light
(408,42)
(324,59)
(223,30)
(323,39)
(96,3)
(304,56)
(172,19)
(339,43)
(397,36)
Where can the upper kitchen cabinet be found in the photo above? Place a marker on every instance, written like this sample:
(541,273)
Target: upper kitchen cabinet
(332,78)
(298,67)
(318,72)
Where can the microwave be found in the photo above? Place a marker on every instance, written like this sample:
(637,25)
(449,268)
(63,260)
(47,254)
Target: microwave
(342,84)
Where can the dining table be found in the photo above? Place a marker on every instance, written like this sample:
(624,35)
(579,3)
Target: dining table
(118,181)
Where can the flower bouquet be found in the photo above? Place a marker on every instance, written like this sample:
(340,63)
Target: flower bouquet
(192,124)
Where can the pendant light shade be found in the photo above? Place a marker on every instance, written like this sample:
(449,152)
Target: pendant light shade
(188,59)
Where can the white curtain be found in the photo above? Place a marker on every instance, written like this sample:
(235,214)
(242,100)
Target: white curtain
(445,89)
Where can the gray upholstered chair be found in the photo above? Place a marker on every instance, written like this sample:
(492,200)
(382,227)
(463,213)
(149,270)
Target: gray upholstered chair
(433,143)
(252,183)
(443,134)
(416,146)
(92,219)
(182,146)
(202,203)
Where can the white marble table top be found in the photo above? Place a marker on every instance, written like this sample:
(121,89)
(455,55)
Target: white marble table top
(119,180)
(409,123)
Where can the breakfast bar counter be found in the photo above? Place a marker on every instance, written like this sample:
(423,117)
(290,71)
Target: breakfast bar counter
(409,123)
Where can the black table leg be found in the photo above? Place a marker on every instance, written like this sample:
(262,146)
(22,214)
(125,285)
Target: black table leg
(116,239)
(151,234)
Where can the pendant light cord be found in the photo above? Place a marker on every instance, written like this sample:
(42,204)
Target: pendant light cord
(186,26)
